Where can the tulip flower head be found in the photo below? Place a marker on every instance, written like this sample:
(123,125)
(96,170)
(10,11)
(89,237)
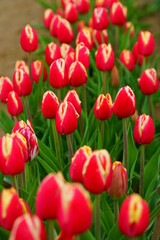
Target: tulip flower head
(100,36)
(128,26)
(146,43)
(77,74)
(29,39)
(50,104)
(127,59)
(83,6)
(65,32)
(115,78)
(100,18)
(53,27)
(85,36)
(71,13)
(47,17)
(133,216)
(137,56)
(37,67)
(22,83)
(14,104)
(52,53)
(118,14)
(73,98)
(6,87)
(144,129)
(65,49)
(103,107)
(82,54)
(22,65)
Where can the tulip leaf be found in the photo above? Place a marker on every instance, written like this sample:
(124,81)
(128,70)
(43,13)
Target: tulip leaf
(107,213)
(6,123)
(87,236)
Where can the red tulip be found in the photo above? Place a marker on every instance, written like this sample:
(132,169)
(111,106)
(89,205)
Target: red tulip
(137,56)
(115,78)
(65,50)
(129,26)
(22,82)
(127,59)
(100,36)
(118,14)
(53,28)
(77,74)
(52,53)
(71,13)
(84,36)
(146,43)
(50,104)
(73,98)
(22,65)
(83,6)
(100,18)
(6,87)
(68,61)
(103,107)
(29,39)
(14,104)
(36,71)
(82,54)
(47,17)
(65,31)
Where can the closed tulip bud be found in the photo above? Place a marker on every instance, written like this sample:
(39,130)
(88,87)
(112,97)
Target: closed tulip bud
(71,219)
(103,107)
(65,49)
(144,129)
(22,83)
(82,54)
(66,118)
(52,53)
(11,207)
(28,133)
(73,98)
(97,172)
(146,43)
(100,36)
(127,59)
(148,82)
(133,216)
(53,28)
(64,3)
(36,71)
(71,13)
(77,74)
(100,18)
(50,104)
(77,163)
(118,187)
(22,65)
(83,6)
(57,77)
(68,61)
(109,3)
(47,17)
(118,14)
(11,146)
(6,87)
(137,56)
(28,227)
(115,78)
(104,57)
(128,26)
(80,25)
(85,36)
(134,116)
(29,39)
(14,104)
(125,103)
(65,31)
(46,207)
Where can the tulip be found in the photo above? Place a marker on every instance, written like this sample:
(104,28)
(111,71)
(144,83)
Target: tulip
(100,18)
(52,53)
(115,78)
(103,107)
(53,28)
(22,65)
(6,87)
(100,36)
(22,82)
(64,236)
(80,25)
(69,59)
(28,227)
(36,71)
(129,26)
(51,185)
(127,59)
(146,43)
(71,13)
(118,14)
(47,17)
(82,54)
(84,36)
(14,104)
(83,6)
(137,56)
(77,163)
(73,199)
(29,39)
(65,31)
(73,98)
(133,216)
(50,104)
(65,49)
(100,3)
(77,74)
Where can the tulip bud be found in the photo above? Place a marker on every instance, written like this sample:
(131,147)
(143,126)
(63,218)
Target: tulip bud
(11,208)
(100,18)
(57,77)
(36,71)
(144,129)
(127,59)
(80,25)
(77,74)
(65,31)
(148,82)
(100,36)
(70,13)
(129,26)
(146,43)
(82,54)
(53,28)
(134,116)
(52,53)
(46,207)
(100,3)
(20,64)
(77,163)
(73,98)
(27,131)
(64,3)
(14,104)
(137,56)
(22,83)
(65,49)
(68,61)
(118,187)
(71,219)
(28,227)
(60,12)
(97,172)
(104,57)
(11,146)
(133,216)
(125,103)
(50,104)
(109,3)
(103,107)
(118,14)
(6,87)
(47,17)
(83,6)
(66,118)
(29,39)
(84,36)
(115,78)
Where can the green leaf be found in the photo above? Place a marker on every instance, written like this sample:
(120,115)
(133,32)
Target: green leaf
(107,214)
(6,123)
(87,236)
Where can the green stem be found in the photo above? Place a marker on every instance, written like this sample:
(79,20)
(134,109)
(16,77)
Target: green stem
(142,170)
(57,143)
(70,149)
(19,185)
(50,230)
(14,182)
(29,63)
(116,210)
(84,98)
(117,39)
(125,143)
(27,108)
(150,106)
(24,180)
(104,82)
(81,126)
(59,94)
(102,39)
(102,133)
(98,219)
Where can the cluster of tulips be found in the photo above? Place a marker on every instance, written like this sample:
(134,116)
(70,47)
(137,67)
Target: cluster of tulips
(69,67)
